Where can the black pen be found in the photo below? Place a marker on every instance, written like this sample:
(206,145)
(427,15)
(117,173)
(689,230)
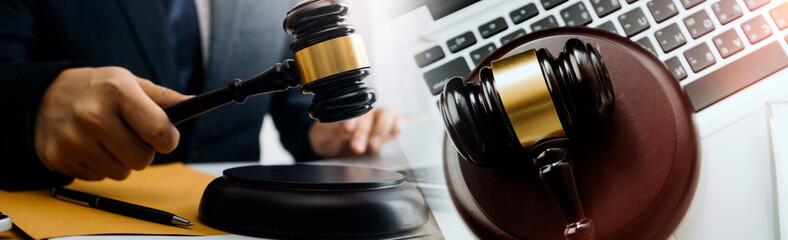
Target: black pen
(118,207)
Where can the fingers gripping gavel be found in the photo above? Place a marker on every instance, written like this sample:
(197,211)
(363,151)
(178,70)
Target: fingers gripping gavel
(94,123)
(330,62)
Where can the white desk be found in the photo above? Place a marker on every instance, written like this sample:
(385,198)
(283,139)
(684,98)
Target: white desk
(390,157)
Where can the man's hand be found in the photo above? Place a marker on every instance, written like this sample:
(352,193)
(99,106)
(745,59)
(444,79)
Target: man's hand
(103,122)
(365,134)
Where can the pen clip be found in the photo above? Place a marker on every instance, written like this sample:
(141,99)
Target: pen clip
(68,199)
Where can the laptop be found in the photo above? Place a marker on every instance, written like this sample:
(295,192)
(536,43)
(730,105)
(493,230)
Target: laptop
(729,56)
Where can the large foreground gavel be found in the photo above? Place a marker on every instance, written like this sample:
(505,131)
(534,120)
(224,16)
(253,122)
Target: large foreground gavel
(330,62)
(528,106)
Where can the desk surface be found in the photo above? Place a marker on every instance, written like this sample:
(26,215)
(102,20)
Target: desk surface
(390,158)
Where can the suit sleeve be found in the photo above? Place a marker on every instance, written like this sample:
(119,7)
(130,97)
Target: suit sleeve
(290,112)
(22,85)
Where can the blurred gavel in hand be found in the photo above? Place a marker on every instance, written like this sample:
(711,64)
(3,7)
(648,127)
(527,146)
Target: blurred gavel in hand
(330,62)
(527,106)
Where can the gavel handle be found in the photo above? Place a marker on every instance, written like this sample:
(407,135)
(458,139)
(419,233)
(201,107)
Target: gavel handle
(279,77)
(555,171)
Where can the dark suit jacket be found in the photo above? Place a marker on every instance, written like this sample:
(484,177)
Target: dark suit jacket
(40,38)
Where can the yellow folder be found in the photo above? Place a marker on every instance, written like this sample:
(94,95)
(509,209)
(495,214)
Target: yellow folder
(173,188)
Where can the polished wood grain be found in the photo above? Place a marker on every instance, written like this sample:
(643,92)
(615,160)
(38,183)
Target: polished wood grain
(636,172)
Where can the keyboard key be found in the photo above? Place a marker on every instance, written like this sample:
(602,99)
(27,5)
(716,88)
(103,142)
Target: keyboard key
(479,54)
(493,27)
(780,15)
(548,4)
(605,7)
(438,77)
(633,22)
(728,43)
(756,29)
(690,3)
(645,43)
(429,56)
(755,4)
(548,22)
(461,42)
(735,76)
(662,9)
(512,36)
(670,37)
(726,11)
(576,15)
(675,67)
(608,26)
(698,24)
(699,57)
(524,13)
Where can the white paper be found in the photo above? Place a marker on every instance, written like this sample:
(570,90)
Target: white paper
(778,131)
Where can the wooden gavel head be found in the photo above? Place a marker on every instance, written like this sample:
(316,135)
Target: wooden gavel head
(525,99)
(330,63)
(527,106)
(331,60)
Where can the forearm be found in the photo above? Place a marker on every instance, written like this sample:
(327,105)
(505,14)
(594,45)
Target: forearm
(22,85)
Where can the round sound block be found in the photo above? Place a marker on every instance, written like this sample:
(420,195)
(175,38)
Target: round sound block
(312,201)
(636,173)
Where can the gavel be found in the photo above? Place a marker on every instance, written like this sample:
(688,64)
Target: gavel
(330,62)
(529,106)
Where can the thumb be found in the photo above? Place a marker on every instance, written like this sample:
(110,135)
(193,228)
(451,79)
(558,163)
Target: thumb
(162,96)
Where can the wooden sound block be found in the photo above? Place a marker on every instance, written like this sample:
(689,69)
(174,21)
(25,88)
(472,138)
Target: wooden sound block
(304,201)
(636,172)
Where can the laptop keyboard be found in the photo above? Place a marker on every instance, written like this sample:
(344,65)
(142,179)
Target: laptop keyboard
(710,47)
